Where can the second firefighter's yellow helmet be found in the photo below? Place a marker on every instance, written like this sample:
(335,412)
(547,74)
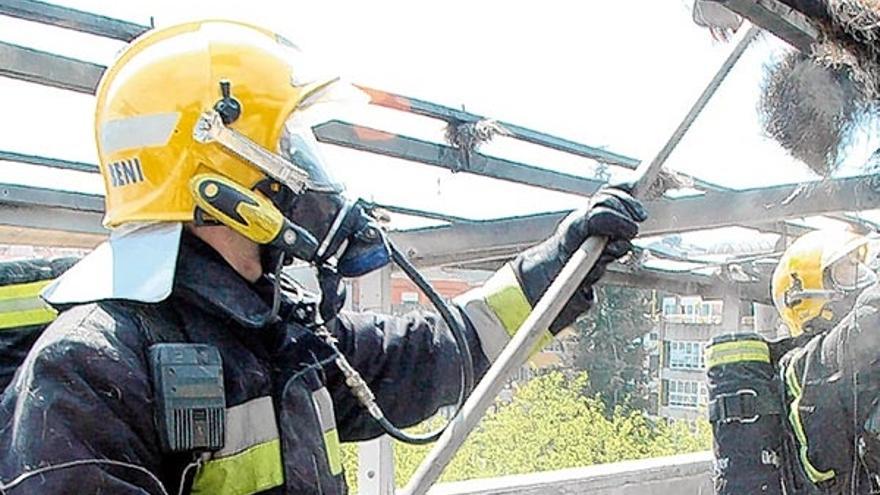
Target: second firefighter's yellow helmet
(817,270)
(162,93)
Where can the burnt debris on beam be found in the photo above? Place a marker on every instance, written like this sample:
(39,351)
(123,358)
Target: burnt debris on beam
(406,148)
(433,110)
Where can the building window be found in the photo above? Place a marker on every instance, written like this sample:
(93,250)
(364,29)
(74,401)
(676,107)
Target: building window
(409,297)
(686,355)
(692,310)
(670,307)
(684,393)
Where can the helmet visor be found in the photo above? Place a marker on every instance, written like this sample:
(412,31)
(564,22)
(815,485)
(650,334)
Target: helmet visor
(298,144)
(851,272)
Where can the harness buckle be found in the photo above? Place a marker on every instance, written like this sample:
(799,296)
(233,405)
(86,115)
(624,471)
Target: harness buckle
(740,406)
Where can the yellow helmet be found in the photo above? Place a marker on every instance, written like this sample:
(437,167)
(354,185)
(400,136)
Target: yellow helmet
(210,97)
(813,284)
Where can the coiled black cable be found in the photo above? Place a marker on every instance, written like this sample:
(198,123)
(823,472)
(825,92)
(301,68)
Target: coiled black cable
(467,363)
(361,389)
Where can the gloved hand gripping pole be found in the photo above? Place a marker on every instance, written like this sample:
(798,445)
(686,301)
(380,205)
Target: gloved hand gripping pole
(552,302)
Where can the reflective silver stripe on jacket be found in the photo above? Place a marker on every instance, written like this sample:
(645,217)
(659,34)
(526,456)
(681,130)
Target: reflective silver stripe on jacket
(491,332)
(327,419)
(249,424)
(250,461)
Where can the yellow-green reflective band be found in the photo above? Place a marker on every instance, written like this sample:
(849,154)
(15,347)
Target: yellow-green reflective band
(794,418)
(26,318)
(334,452)
(254,470)
(736,352)
(508,301)
(21,306)
(327,421)
(18,291)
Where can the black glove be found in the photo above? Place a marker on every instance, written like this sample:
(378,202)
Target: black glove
(612,213)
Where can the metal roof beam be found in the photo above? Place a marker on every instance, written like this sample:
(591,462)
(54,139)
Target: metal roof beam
(30,215)
(676,282)
(786,23)
(65,17)
(49,69)
(43,161)
(451,115)
(478,240)
(439,155)
(465,242)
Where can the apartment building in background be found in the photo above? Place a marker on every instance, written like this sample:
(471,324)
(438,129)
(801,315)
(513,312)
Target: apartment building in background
(684,327)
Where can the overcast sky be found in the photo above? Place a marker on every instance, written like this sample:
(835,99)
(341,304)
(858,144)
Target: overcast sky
(615,74)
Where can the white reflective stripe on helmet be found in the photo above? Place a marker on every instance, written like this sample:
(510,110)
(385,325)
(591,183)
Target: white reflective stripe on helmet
(138,131)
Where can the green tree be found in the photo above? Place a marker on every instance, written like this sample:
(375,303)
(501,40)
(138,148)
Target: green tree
(610,347)
(551,425)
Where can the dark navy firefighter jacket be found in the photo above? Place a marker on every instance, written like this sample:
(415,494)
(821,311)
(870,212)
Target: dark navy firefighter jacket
(79,416)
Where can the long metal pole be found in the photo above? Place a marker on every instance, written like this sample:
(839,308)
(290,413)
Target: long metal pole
(559,292)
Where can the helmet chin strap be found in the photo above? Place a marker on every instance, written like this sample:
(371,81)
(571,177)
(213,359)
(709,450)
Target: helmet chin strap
(272,316)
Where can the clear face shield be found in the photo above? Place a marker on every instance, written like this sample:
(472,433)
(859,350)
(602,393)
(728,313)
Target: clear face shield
(345,236)
(846,277)
(298,145)
(853,271)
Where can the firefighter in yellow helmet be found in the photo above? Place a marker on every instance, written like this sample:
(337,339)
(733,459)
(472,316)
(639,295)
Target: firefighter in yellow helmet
(813,395)
(184,360)
(818,278)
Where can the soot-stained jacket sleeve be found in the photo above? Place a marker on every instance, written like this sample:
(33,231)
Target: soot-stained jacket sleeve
(411,363)
(77,416)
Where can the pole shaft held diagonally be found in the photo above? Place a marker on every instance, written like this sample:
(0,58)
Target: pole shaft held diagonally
(545,311)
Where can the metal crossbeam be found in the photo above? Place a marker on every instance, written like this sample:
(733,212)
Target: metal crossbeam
(497,239)
(38,216)
(30,215)
(76,75)
(43,161)
(48,69)
(643,278)
(422,213)
(433,110)
(86,22)
(783,21)
(438,155)
(477,241)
